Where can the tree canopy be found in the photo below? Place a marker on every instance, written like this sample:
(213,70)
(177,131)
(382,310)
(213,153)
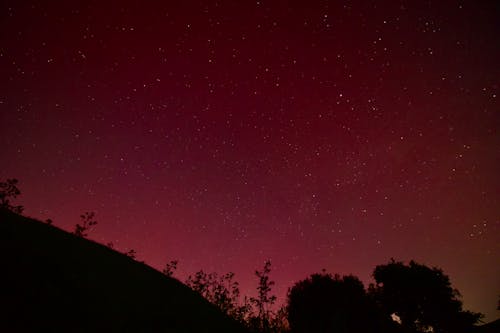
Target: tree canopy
(330,303)
(9,191)
(421,297)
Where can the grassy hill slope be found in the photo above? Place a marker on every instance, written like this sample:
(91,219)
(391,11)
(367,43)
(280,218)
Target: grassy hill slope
(53,281)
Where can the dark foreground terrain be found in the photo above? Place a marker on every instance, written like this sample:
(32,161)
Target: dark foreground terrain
(493,327)
(53,281)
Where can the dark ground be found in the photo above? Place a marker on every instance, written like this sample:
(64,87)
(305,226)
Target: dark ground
(53,281)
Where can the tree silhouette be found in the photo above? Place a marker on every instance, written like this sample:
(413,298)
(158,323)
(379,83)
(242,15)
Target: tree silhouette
(88,221)
(9,191)
(264,301)
(222,291)
(279,321)
(329,303)
(422,298)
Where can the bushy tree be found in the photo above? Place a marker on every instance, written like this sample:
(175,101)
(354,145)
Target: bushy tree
(422,298)
(88,221)
(9,191)
(222,291)
(330,303)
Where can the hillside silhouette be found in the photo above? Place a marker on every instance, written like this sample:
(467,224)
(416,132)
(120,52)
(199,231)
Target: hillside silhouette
(54,281)
(493,327)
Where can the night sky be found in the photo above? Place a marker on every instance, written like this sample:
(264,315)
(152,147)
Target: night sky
(318,134)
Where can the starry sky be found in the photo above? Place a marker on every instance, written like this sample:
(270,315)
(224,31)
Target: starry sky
(317,134)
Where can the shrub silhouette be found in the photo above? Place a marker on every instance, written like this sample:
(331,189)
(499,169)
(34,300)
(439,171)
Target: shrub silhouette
(264,301)
(170,268)
(279,321)
(422,298)
(330,303)
(222,291)
(9,191)
(88,221)
(131,254)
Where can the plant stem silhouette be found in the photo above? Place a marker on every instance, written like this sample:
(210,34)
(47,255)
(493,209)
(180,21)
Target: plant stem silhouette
(88,221)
